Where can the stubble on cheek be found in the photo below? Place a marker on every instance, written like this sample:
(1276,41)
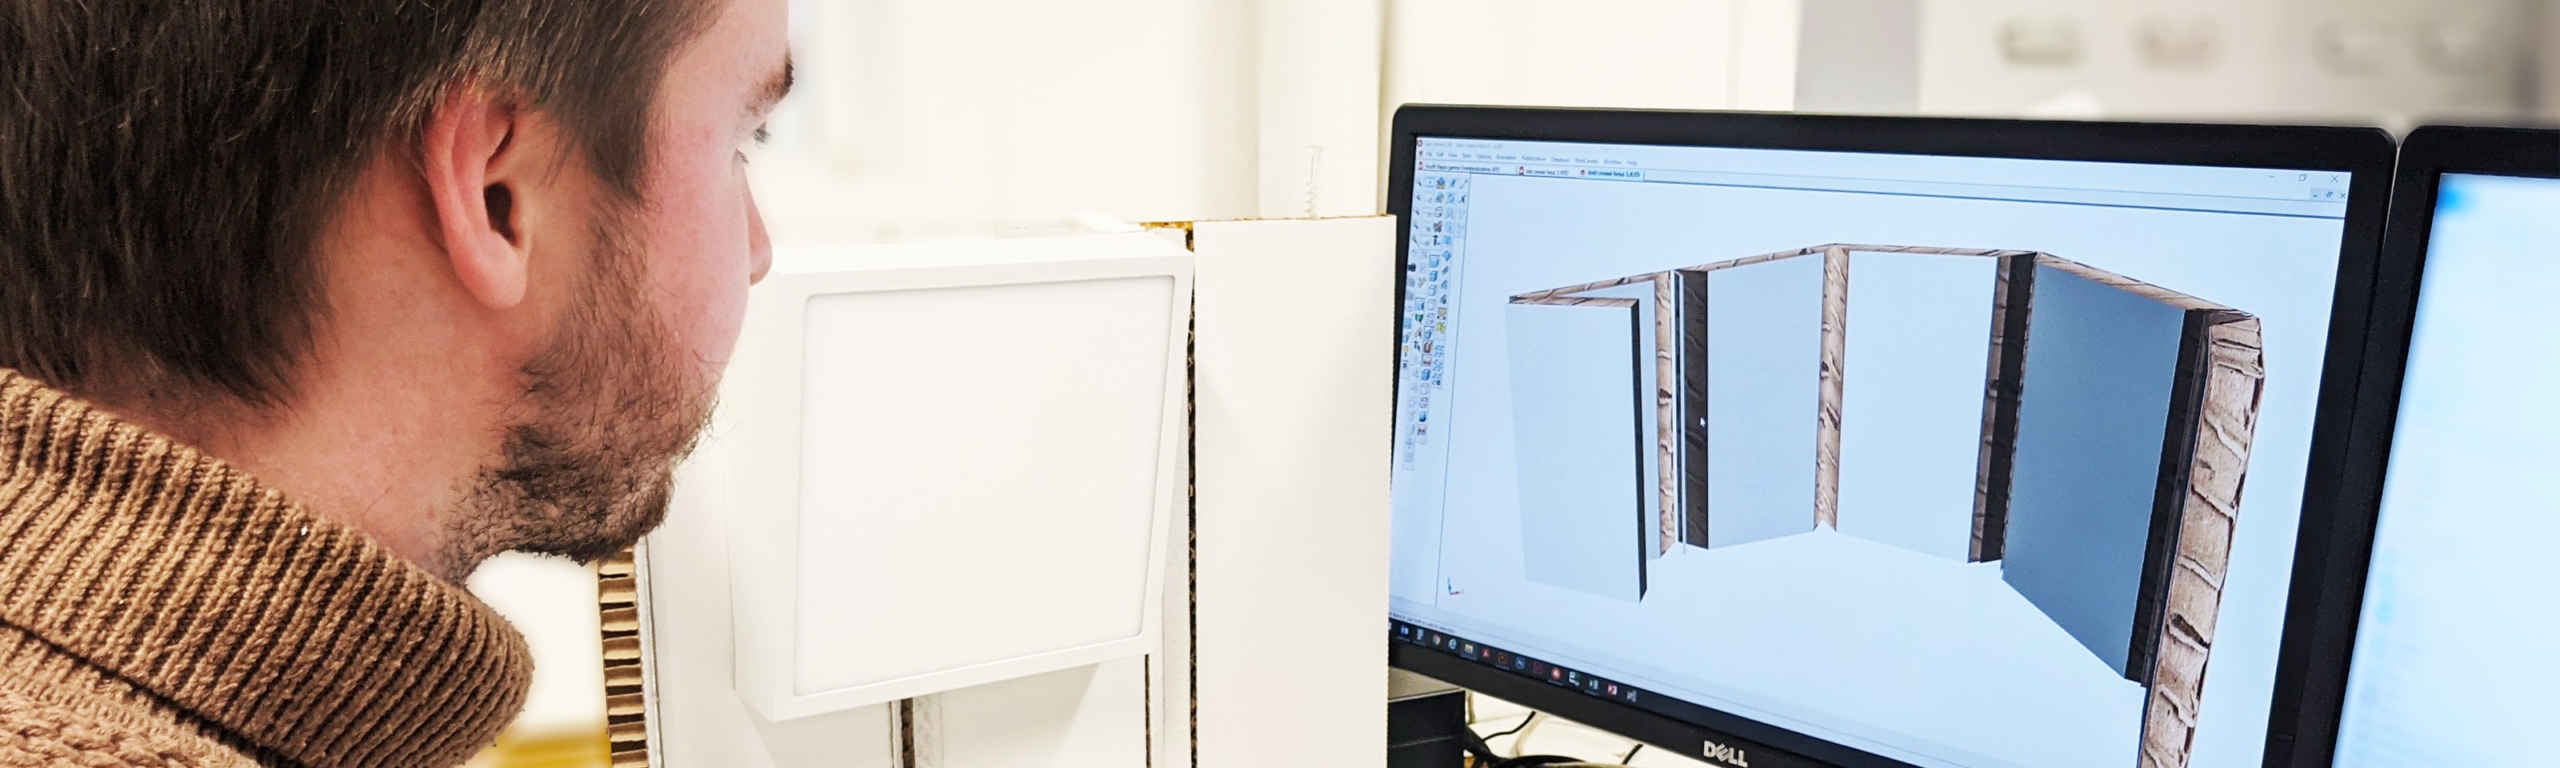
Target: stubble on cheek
(611,405)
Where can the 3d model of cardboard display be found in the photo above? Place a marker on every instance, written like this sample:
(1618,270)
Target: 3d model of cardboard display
(2096,446)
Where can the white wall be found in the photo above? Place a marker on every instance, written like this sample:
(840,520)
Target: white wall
(552,601)
(2387,61)
(1675,54)
(1318,81)
(934,119)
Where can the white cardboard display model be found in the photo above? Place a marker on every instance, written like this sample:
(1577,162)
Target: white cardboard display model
(1272,602)
(1293,426)
(955,465)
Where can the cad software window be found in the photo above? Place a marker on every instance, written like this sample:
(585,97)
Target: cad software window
(1939,458)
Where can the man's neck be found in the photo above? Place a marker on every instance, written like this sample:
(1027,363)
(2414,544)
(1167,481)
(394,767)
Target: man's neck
(392,466)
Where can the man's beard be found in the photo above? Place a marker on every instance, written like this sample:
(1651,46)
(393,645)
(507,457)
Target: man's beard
(608,410)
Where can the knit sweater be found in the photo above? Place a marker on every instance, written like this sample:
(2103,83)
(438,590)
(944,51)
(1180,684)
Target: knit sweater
(161,608)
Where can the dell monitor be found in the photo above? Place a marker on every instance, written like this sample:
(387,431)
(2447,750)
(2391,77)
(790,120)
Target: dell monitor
(2441,644)
(1798,440)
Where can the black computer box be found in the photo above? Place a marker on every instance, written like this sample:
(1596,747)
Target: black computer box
(1425,721)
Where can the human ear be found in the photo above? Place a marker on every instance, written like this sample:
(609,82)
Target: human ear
(477,206)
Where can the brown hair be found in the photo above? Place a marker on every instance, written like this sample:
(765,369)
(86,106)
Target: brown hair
(166,166)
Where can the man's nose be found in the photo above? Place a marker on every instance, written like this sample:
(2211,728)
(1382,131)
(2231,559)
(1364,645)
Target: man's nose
(759,246)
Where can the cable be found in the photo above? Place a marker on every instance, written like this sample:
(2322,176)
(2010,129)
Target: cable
(1524,723)
(1526,728)
(1475,744)
(1485,758)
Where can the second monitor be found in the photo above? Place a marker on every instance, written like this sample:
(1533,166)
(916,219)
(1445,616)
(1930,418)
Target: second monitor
(2434,644)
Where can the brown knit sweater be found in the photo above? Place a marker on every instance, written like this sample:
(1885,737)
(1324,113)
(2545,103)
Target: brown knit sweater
(160,608)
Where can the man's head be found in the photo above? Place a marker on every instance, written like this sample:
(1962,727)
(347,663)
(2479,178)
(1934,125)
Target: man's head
(461,273)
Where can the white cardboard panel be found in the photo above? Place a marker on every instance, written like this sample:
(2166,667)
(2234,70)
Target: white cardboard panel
(1071,718)
(695,716)
(1919,347)
(1764,398)
(955,465)
(1021,420)
(1168,670)
(1087,715)
(1649,424)
(1296,397)
(1576,413)
(1294,368)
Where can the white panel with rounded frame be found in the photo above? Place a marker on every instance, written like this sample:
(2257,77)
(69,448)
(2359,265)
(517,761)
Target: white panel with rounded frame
(955,464)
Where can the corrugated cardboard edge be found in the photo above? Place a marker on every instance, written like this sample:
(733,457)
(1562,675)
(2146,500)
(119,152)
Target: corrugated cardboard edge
(625,675)
(2227,426)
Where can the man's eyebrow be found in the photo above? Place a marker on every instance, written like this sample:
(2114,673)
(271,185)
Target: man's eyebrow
(774,88)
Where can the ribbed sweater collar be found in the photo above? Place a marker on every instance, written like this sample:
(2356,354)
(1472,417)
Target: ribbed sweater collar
(295,636)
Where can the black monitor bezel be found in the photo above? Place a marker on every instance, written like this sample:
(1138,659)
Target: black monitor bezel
(2320,639)
(2366,153)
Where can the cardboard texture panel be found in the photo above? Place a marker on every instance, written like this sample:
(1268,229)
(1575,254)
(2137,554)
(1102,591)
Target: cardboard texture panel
(1666,415)
(626,700)
(2115,419)
(2207,511)
(2013,277)
(1835,352)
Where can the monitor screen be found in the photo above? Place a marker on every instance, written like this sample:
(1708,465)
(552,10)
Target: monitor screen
(2454,659)
(1935,458)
